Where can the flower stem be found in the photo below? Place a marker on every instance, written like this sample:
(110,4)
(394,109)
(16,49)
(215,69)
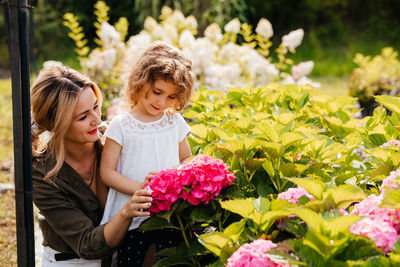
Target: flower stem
(183,231)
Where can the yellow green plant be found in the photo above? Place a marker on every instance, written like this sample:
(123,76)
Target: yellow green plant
(76,34)
(101,12)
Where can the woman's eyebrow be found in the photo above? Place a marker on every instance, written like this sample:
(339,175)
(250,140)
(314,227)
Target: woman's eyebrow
(86,111)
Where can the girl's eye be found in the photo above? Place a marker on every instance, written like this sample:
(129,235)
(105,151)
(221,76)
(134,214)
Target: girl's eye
(172,97)
(82,118)
(96,106)
(156,92)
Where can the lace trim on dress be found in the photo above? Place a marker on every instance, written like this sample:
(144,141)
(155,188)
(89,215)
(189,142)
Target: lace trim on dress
(133,125)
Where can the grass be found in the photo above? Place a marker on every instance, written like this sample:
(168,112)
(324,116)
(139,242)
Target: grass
(6,134)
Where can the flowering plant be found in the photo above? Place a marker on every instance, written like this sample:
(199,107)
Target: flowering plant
(197,181)
(254,254)
(219,59)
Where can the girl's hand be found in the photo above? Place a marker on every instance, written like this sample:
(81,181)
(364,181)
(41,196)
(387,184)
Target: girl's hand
(148,178)
(138,204)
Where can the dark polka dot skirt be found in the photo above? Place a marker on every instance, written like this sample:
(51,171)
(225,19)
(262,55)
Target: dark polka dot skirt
(133,248)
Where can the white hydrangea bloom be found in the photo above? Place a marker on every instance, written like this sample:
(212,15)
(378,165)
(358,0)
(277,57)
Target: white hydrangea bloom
(264,28)
(158,32)
(203,55)
(302,69)
(233,26)
(178,17)
(170,35)
(186,39)
(213,33)
(50,63)
(109,36)
(108,57)
(149,24)
(191,22)
(220,77)
(166,11)
(293,39)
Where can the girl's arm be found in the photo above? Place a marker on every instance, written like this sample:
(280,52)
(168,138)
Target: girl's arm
(108,170)
(184,150)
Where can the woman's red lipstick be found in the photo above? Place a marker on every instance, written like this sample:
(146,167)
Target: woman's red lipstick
(93,131)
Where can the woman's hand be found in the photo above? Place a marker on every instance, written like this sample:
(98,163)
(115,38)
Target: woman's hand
(138,204)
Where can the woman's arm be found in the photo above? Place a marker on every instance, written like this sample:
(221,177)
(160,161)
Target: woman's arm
(115,229)
(108,170)
(184,150)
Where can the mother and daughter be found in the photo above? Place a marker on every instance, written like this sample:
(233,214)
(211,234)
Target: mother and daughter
(90,195)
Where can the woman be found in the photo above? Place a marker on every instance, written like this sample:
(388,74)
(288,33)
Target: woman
(66,184)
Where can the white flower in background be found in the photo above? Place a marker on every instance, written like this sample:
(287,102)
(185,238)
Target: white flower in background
(178,17)
(229,53)
(135,47)
(109,36)
(302,69)
(191,22)
(233,26)
(170,34)
(264,28)
(302,81)
(166,11)
(106,60)
(143,39)
(213,33)
(149,24)
(305,80)
(50,63)
(220,77)
(203,54)
(158,32)
(186,39)
(293,39)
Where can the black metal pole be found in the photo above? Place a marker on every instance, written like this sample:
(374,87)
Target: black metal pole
(19,63)
(32,55)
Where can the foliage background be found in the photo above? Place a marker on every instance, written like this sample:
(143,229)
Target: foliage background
(335,29)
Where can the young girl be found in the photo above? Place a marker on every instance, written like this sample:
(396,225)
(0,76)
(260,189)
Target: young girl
(149,138)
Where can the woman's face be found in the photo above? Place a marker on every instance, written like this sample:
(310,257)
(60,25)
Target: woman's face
(85,119)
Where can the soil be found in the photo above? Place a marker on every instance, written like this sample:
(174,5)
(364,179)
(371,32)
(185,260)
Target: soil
(5,73)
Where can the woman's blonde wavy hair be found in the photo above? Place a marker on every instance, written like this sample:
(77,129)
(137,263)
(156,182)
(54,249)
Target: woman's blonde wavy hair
(165,62)
(54,95)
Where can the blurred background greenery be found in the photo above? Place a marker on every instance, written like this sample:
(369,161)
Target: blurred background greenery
(334,29)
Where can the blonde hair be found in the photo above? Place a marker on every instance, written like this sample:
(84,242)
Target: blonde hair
(165,62)
(54,95)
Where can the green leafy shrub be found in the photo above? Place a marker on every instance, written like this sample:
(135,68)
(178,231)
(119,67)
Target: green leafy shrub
(273,138)
(379,75)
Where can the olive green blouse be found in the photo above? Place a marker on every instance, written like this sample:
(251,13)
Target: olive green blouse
(70,211)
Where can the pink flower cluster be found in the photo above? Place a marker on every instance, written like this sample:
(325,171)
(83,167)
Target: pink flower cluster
(254,254)
(197,181)
(391,143)
(381,225)
(390,181)
(293,194)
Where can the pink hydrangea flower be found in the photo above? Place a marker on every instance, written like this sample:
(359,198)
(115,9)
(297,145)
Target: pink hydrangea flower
(253,254)
(293,194)
(391,143)
(203,178)
(197,181)
(165,189)
(369,207)
(365,207)
(381,232)
(390,181)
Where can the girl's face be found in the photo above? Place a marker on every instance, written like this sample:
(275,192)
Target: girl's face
(85,119)
(157,98)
